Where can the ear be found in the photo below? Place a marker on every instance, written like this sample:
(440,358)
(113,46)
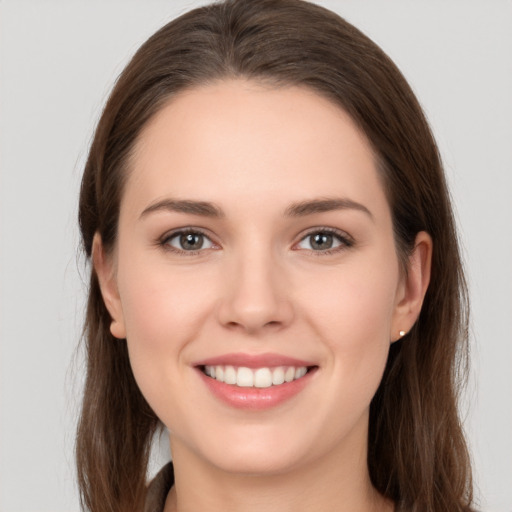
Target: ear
(413,287)
(105,270)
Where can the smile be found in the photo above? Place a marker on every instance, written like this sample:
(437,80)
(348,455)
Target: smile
(254,377)
(255,382)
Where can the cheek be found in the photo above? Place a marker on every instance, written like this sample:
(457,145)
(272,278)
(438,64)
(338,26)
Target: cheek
(160,302)
(352,312)
(163,311)
(355,304)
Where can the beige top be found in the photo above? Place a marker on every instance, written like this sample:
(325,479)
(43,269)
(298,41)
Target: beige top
(158,489)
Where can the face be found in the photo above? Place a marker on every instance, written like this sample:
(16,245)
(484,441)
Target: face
(255,242)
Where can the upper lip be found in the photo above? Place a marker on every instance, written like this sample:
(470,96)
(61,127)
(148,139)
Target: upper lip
(267,360)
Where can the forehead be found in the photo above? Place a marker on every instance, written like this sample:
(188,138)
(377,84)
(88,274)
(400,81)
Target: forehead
(243,140)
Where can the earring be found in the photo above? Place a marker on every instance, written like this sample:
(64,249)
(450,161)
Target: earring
(117,330)
(402,333)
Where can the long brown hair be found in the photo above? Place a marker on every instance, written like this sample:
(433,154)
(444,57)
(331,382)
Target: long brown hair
(417,455)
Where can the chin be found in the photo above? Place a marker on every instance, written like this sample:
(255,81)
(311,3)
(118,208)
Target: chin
(258,454)
(258,464)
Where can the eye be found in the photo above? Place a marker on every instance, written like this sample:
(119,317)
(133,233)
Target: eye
(187,241)
(324,240)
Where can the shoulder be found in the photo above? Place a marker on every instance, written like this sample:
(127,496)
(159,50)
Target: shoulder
(158,489)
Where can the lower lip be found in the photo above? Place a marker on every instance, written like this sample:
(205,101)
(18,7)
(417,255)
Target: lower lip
(256,398)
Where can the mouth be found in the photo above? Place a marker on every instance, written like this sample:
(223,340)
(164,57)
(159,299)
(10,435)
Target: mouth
(256,382)
(262,377)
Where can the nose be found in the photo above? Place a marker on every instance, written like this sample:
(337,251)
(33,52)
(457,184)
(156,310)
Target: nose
(255,297)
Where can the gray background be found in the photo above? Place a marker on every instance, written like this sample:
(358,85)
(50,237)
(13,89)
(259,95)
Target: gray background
(58,61)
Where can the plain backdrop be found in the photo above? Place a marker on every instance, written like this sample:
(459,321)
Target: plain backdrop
(58,62)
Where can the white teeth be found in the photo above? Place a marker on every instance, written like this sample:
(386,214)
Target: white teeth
(289,375)
(219,373)
(260,377)
(245,378)
(230,375)
(263,378)
(278,376)
(300,372)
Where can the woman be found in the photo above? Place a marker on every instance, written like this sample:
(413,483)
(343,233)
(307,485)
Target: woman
(275,279)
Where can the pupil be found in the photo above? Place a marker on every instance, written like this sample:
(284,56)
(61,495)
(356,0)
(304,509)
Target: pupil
(191,241)
(321,241)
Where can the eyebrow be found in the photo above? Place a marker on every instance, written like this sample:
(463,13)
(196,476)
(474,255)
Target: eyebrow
(299,209)
(202,208)
(313,206)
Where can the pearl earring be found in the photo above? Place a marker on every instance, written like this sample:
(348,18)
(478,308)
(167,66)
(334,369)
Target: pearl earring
(402,333)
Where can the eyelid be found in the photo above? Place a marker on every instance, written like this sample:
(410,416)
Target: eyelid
(346,240)
(164,239)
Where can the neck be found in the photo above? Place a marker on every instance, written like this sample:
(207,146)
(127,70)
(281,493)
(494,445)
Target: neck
(338,482)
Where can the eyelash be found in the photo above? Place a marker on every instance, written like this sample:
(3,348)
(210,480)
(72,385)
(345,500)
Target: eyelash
(164,241)
(345,240)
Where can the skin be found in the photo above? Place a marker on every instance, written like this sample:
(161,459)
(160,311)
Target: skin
(258,286)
